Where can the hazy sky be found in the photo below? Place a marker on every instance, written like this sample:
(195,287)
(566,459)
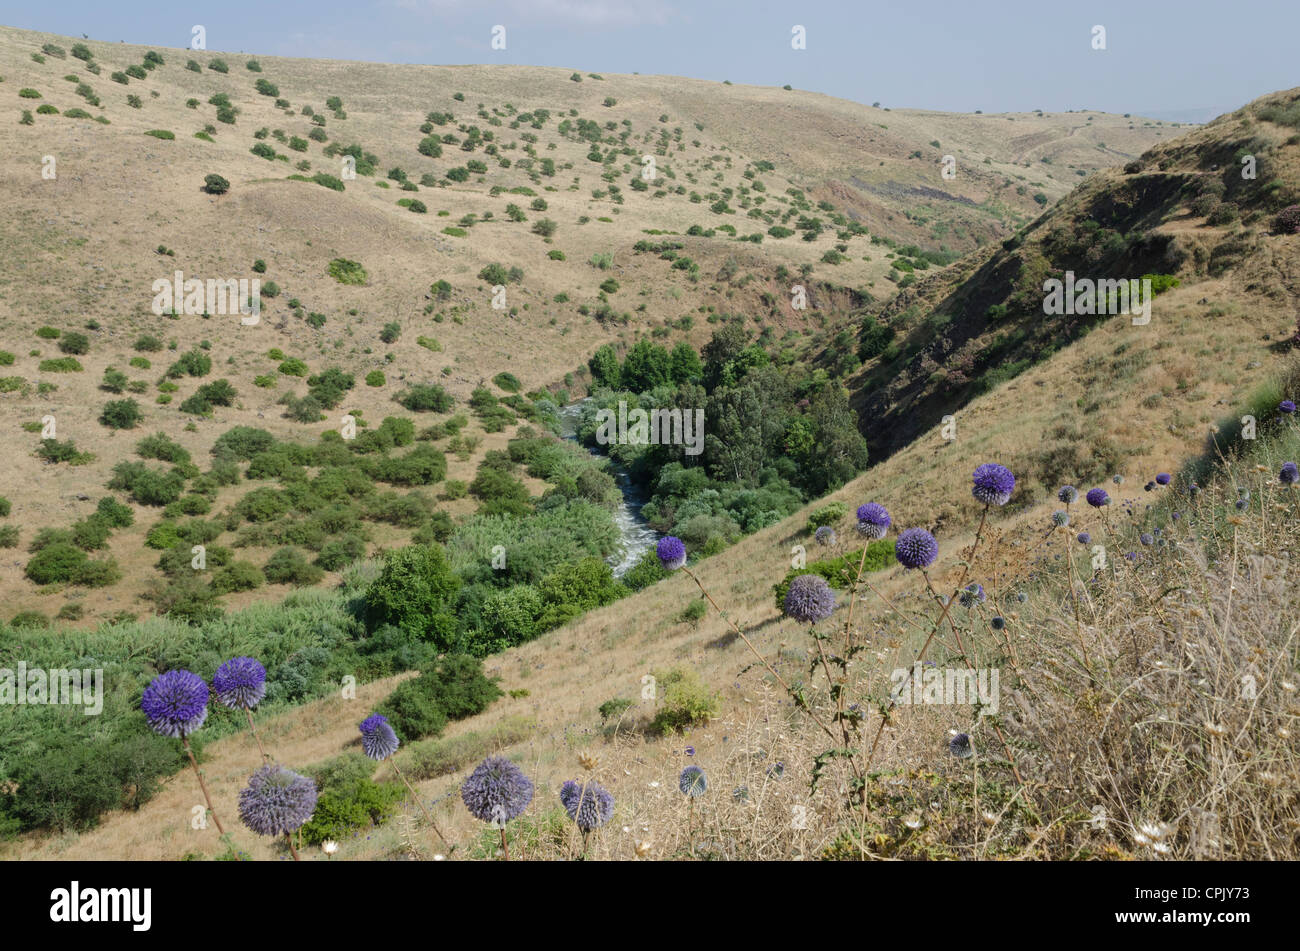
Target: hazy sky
(1179,59)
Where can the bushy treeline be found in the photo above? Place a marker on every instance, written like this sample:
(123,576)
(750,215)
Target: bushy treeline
(775,435)
(62,768)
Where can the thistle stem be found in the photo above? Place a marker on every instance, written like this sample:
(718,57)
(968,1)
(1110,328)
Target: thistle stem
(265,756)
(185,740)
(418,802)
(288,837)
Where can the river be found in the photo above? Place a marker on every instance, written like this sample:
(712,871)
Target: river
(635,536)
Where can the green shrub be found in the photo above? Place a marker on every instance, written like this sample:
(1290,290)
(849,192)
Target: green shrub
(61,365)
(432,758)
(289,566)
(827,514)
(237,576)
(340,552)
(347,272)
(91,534)
(147,486)
(161,447)
(55,563)
(454,689)
(684,701)
(839,571)
(335,184)
(508,382)
(191,363)
(215,184)
(613,709)
(348,799)
(161,134)
(121,414)
(52,450)
(114,512)
(375,378)
(420,398)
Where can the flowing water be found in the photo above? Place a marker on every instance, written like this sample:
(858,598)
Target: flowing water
(635,536)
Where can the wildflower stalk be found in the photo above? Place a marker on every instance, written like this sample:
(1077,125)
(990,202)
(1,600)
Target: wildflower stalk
(185,740)
(761,659)
(1074,600)
(420,803)
(947,608)
(288,837)
(266,757)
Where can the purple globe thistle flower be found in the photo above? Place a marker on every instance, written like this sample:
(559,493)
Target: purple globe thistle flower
(809,599)
(916,548)
(1241,504)
(1147,488)
(378,740)
(825,535)
(277,800)
(1163,478)
(998,622)
(692,782)
(1117,479)
(240,683)
(1286,406)
(1084,538)
(497,791)
(1097,498)
(1193,490)
(1022,597)
(960,746)
(589,806)
(873,520)
(175,703)
(1068,494)
(993,484)
(972,594)
(1060,518)
(1290,474)
(671,552)
(1146,539)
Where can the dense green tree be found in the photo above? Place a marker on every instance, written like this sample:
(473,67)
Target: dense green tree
(604,367)
(684,364)
(413,591)
(645,367)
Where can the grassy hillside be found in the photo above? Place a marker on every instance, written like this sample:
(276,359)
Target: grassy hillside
(126,208)
(468,465)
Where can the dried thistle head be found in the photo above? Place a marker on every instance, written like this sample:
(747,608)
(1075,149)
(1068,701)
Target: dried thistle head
(587,761)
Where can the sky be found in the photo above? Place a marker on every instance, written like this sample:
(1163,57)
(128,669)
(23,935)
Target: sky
(1184,60)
